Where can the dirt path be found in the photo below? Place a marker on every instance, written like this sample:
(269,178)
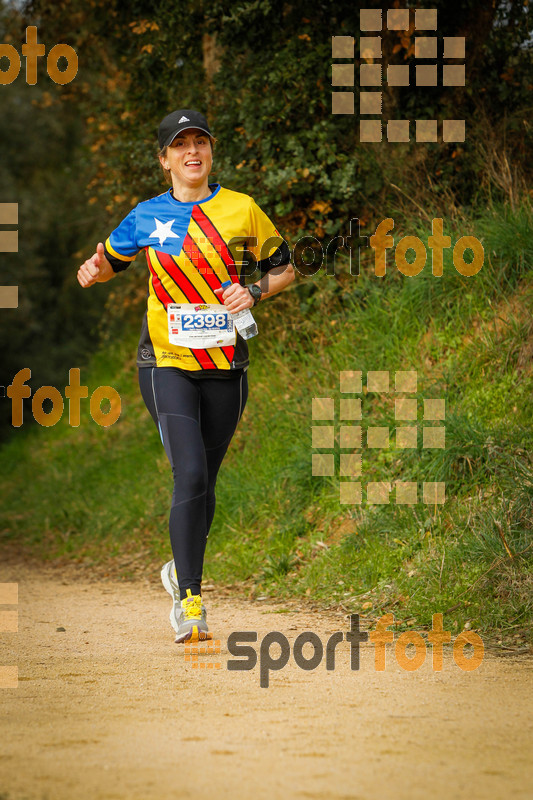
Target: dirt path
(109,709)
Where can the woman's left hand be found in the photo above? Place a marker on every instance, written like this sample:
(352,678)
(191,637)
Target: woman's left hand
(235,297)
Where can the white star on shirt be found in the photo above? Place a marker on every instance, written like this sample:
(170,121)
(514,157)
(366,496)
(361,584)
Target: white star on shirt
(163,231)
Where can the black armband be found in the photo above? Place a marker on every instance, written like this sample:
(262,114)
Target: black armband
(117,264)
(280,257)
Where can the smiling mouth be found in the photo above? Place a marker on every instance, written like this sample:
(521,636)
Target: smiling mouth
(194,163)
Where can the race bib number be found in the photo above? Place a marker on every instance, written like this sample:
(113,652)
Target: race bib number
(200,326)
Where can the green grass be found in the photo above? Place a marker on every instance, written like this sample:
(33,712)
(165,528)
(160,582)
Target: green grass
(91,493)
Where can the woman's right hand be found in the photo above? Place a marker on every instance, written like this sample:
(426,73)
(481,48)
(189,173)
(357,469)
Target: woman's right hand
(96,269)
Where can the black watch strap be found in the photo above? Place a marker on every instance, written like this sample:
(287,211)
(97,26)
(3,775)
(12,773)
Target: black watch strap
(256,292)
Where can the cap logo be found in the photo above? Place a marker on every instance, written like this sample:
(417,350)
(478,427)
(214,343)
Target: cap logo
(183,119)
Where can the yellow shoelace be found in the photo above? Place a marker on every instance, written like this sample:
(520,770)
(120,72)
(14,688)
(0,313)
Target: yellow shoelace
(192,605)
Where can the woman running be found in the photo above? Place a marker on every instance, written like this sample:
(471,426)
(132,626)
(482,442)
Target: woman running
(192,362)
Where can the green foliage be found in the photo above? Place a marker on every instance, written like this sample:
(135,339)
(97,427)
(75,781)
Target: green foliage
(52,329)
(262,72)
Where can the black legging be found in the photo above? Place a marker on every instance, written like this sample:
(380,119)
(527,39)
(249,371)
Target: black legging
(196,418)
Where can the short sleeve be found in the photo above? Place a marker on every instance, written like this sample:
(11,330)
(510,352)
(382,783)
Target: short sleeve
(264,239)
(121,247)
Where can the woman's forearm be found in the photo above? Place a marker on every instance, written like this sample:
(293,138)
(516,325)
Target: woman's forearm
(276,280)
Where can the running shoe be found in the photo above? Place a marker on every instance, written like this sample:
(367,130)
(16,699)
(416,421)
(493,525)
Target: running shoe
(170,582)
(192,625)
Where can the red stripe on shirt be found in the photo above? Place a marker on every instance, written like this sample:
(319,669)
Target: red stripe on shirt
(197,258)
(207,227)
(214,237)
(162,295)
(159,290)
(192,251)
(180,279)
(192,296)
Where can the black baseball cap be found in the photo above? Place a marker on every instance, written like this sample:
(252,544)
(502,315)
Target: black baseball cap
(179,121)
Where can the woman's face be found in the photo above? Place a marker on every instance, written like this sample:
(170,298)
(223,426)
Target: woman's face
(189,158)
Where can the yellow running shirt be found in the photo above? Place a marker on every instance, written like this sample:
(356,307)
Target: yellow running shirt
(191,249)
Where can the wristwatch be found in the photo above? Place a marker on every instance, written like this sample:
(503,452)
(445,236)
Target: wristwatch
(255,291)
